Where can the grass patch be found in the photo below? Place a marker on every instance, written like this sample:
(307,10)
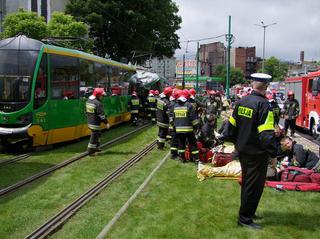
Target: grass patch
(40,161)
(24,210)
(177,205)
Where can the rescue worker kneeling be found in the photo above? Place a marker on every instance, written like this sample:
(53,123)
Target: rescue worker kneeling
(185,121)
(95,116)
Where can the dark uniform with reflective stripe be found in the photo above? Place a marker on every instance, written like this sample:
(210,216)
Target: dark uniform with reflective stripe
(185,120)
(95,115)
(134,105)
(152,107)
(276,111)
(252,128)
(172,131)
(291,112)
(162,120)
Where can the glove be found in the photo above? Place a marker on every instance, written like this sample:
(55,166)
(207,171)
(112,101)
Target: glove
(108,126)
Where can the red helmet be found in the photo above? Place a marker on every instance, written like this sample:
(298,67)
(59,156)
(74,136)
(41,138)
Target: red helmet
(290,92)
(98,92)
(134,93)
(177,93)
(156,92)
(269,96)
(167,91)
(273,91)
(185,93)
(211,92)
(151,92)
(192,92)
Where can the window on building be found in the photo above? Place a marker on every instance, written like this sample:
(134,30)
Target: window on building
(34,5)
(65,77)
(41,89)
(44,9)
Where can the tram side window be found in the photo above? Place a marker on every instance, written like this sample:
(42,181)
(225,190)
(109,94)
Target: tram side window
(40,93)
(101,75)
(115,84)
(87,77)
(65,77)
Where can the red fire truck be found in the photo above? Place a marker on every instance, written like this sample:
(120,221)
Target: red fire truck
(307,92)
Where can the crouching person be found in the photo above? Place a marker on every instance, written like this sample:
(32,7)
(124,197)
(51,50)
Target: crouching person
(185,121)
(95,116)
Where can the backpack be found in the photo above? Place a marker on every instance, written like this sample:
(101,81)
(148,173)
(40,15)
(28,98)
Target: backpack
(296,174)
(293,186)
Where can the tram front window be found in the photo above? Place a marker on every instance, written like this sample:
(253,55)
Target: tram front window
(16,70)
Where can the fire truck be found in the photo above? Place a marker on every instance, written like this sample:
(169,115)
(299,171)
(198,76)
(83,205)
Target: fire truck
(307,92)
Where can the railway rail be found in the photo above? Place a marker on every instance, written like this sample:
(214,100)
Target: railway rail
(59,219)
(14,159)
(20,184)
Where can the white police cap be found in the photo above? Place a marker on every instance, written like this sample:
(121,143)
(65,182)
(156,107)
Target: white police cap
(262,77)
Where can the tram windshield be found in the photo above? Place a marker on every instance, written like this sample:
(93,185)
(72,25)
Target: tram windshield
(16,70)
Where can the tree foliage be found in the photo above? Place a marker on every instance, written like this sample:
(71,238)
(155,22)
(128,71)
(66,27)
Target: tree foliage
(236,74)
(277,69)
(60,26)
(73,33)
(120,27)
(26,23)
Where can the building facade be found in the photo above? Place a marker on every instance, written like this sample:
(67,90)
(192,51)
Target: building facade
(211,55)
(43,8)
(164,67)
(245,59)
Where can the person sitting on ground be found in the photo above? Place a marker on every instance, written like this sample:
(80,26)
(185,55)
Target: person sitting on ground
(206,134)
(297,155)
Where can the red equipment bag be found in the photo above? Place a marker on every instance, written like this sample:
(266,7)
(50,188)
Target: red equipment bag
(296,174)
(221,159)
(315,178)
(293,186)
(205,155)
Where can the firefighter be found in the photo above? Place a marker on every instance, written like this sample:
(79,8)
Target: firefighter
(211,106)
(174,140)
(95,116)
(163,116)
(206,134)
(134,105)
(274,107)
(291,112)
(185,121)
(251,127)
(152,106)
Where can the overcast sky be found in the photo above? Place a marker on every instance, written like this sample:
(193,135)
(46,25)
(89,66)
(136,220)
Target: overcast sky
(297,28)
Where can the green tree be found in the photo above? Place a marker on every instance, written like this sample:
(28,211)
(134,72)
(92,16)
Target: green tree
(120,27)
(236,74)
(25,23)
(72,33)
(277,69)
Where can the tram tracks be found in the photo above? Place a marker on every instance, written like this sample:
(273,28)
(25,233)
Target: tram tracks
(20,184)
(14,159)
(60,218)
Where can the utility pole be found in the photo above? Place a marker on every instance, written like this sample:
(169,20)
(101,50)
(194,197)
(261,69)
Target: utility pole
(197,79)
(229,37)
(183,71)
(264,39)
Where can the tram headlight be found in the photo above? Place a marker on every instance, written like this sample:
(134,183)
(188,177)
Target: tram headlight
(25,118)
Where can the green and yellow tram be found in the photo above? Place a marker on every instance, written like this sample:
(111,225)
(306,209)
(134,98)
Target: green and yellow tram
(43,91)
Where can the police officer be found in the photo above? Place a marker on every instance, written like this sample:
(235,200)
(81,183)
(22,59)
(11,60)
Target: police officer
(251,127)
(134,105)
(291,112)
(185,121)
(95,116)
(163,116)
(152,106)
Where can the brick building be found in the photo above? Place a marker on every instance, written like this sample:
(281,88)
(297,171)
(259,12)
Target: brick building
(245,59)
(211,55)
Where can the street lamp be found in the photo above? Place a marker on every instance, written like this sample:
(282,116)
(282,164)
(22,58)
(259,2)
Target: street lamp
(264,26)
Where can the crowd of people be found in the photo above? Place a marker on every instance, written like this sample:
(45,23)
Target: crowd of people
(188,123)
